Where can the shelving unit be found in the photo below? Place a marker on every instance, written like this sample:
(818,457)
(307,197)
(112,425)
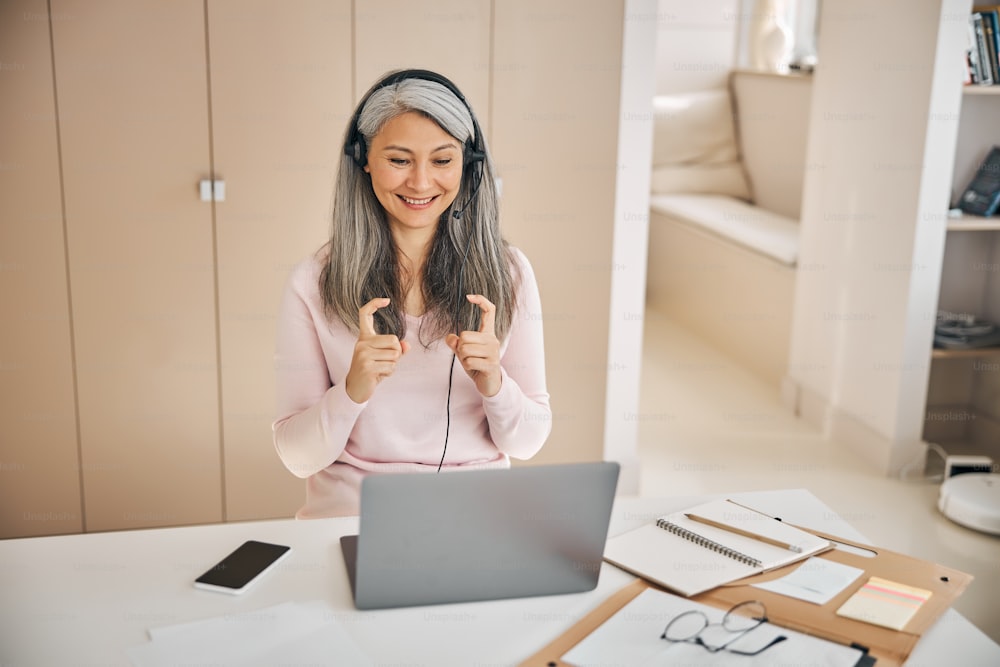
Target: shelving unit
(963,400)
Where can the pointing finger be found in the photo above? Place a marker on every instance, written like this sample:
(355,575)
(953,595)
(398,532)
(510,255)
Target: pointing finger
(488,321)
(366,316)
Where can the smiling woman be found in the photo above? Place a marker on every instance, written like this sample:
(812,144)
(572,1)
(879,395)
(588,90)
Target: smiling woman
(355,395)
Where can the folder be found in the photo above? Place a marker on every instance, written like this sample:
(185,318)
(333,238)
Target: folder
(889,647)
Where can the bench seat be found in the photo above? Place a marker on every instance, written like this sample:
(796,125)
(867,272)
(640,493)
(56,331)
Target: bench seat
(725,271)
(752,227)
(727,178)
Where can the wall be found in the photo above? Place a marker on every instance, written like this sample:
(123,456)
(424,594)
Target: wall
(696,44)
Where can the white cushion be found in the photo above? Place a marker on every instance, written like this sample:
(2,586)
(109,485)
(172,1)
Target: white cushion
(768,233)
(772,117)
(694,145)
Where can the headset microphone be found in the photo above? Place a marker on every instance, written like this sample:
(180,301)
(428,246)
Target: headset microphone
(457,214)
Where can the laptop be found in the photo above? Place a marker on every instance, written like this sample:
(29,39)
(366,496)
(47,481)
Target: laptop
(480,534)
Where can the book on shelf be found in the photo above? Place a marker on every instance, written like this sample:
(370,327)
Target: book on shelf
(709,545)
(983,51)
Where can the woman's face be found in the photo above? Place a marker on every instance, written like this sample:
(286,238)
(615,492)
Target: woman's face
(416,170)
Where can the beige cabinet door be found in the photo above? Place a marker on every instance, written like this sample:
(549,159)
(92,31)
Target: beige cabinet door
(281,98)
(132,88)
(556,92)
(39,465)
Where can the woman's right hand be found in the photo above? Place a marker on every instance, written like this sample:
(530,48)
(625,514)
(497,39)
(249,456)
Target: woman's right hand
(375,355)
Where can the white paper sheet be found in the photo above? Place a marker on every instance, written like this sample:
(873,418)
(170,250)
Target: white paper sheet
(632,637)
(288,633)
(817,580)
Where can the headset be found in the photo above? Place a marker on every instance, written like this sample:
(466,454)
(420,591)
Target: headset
(473,152)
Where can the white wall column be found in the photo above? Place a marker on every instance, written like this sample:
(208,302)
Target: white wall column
(631,236)
(886,98)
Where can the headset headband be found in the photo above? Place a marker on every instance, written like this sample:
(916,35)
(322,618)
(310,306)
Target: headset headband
(356,147)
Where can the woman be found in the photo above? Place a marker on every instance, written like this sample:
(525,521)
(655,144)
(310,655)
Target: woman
(414,277)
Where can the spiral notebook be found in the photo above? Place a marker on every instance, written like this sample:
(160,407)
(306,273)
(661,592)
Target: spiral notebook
(709,545)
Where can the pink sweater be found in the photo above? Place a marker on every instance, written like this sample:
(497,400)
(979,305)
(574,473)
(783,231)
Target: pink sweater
(331,441)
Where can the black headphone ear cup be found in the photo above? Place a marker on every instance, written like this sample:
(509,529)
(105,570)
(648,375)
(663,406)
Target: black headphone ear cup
(471,156)
(356,151)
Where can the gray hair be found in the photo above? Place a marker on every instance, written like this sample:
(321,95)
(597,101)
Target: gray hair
(468,254)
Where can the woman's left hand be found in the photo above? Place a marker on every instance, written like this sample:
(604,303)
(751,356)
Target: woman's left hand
(479,351)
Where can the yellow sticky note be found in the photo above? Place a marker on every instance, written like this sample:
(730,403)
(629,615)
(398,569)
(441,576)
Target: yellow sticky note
(883,602)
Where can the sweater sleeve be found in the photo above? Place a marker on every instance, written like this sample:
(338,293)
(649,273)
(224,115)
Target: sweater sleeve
(519,415)
(314,416)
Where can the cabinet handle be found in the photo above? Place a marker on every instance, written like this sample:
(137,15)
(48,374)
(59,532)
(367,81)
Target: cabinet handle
(212,190)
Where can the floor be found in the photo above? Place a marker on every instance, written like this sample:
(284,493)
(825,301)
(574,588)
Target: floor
(709,426)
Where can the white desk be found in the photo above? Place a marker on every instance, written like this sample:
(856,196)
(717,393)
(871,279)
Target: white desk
(85,599)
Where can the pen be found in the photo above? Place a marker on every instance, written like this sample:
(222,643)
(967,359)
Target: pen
(744,533)
(750,509)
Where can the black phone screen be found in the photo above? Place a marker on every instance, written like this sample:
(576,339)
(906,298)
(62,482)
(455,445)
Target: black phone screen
(241,566)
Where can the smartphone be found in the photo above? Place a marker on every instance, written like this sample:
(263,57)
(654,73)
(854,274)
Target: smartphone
(236,572)
(982,196)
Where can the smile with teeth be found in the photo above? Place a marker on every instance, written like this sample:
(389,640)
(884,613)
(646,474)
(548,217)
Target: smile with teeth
(416,202)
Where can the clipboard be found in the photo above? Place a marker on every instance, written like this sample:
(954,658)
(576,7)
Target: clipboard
(888,647)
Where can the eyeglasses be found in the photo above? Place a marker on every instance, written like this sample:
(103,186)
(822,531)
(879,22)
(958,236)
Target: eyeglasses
(690,626)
